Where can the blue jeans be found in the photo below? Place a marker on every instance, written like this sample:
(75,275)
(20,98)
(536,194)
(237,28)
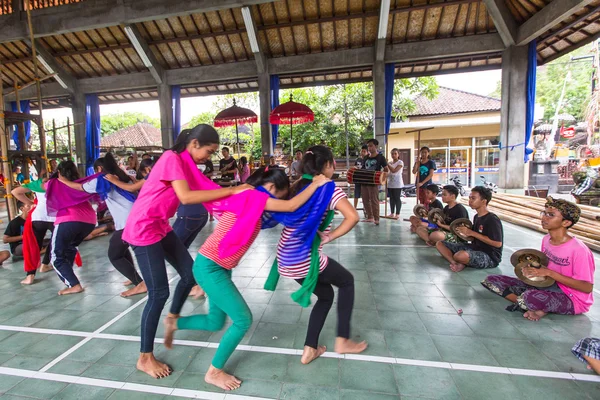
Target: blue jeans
(187,228)
(65,239)
(151,260)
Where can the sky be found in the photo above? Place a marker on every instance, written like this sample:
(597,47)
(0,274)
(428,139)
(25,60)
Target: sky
(482,83)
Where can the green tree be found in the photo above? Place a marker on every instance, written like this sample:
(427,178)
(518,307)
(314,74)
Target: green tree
(111,123)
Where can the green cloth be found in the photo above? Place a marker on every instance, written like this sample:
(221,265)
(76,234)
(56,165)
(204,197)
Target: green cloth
(224,300)
(302,295)
(36,186)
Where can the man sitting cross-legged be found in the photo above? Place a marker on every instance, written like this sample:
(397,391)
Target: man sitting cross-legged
(452,211)
(485,251)
(431,193)
(571,265)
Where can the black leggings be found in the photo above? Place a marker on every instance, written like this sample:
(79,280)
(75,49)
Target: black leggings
(39,231)
(395,201)
(333,275)
(120,258)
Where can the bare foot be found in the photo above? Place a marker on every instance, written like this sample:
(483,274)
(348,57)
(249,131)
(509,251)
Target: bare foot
(139,289)
(368,220)
(311,354)
(72,290)
(170,328)
(221,379)
(347,346)
(150,365)
(377,223)
(457,267)
(28,280)
(46,268)
(127,283)
(197,292)
(534,315)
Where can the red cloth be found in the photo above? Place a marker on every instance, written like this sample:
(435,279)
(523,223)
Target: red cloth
(78,260)
(31,250)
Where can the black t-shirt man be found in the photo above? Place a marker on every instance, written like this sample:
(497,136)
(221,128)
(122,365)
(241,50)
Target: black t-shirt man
(489,225)
(456,212)
(435,204)
(15,228)
(376,163)
(231,165)
(424,169)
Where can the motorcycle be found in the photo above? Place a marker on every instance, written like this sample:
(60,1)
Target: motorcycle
(409,191)
(456,182)
(489,185)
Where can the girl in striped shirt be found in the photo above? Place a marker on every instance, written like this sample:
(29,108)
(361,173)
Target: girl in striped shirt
(292,264)
(212,271)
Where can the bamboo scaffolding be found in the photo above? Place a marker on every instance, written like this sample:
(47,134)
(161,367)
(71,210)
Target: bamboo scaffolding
(6,170)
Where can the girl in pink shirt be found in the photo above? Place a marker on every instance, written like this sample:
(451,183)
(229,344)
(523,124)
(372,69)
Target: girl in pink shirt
(152,239)
(571,265)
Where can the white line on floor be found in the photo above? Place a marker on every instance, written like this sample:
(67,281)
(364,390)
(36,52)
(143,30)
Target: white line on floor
(298,352)
(134,387)
(375,245)
(95,333)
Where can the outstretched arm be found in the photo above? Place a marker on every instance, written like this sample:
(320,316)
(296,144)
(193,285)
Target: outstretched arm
(296,202)
(188,196)
(19,194)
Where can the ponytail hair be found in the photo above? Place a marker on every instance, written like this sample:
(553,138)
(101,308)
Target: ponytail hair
(110,166)
(205,134)
(313,163)
(67,169)
(265,175)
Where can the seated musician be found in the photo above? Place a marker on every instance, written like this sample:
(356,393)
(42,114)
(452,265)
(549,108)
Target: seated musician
(431,193)
(485,251)
(452,211)
(571,265)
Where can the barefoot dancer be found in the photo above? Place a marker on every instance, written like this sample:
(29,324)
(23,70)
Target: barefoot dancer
(119,203)
(212,268)
(571,265)
(486,249)
(75,219)
(171,183)
(299,257)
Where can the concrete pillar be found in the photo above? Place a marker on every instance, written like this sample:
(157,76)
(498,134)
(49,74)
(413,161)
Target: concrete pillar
(379,101)
(165,101)
(512,125)
(264,96)
(79,129)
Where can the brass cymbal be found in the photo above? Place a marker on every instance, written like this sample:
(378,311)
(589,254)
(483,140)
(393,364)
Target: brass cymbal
(534,257)
(461,222)
(435,215)
(538,281)
(420,211)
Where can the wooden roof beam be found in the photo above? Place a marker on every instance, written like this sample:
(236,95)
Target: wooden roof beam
(384,16)
(503,20)
(64,79)
(100,14)
(255,46)
(548,18)
(143,50)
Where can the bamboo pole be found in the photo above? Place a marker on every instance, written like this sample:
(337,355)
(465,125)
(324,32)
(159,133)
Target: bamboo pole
(591,213)
(6,170)
(69,138)
(54,135)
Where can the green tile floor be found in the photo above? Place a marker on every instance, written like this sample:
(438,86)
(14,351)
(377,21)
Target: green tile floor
(406,307)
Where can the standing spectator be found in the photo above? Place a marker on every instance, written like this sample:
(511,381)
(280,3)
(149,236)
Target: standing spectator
(358,164)
(423,169)
(370,192)
(227,165)
(243,169)
(296,172)
(395,184)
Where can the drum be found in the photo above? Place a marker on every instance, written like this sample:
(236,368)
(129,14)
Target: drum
(365,177)
(435,216)
(420,211)
(531,258)
(461,222)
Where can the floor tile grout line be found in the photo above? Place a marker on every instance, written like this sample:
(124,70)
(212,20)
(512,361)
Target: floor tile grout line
(120,385)
(94,334)
(352,357)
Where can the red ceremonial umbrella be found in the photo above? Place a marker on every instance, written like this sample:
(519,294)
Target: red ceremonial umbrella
(232,116)
(291,113)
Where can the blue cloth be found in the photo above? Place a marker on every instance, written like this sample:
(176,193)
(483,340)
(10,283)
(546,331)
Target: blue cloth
(304,221)
(92,132)
(103,188)
(25,108)
(176,96)
(274,103)
(530,108)
(389,96)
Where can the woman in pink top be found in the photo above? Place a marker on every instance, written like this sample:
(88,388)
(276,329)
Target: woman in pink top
(152,239)
(243,169)
(71,227)
(571,265)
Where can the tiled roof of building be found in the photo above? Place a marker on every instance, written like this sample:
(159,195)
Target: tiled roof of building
(139,135)
(452,101)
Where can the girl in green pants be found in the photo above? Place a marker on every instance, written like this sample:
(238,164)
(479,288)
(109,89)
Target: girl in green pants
(213,273)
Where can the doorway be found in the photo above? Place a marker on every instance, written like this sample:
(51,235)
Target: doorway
(406,171)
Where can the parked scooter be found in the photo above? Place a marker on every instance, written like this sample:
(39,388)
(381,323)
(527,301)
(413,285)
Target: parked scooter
(489,185)
(456,182)
(409,191)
